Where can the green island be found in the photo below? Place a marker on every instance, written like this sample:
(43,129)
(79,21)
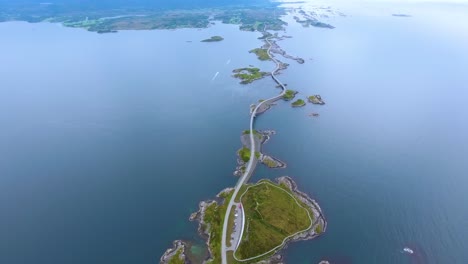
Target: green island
(289,95)
(298,103)
(270,163)
(272,214)
(262,54)
(275,213)
(249,74)
(316,99)
(213,39)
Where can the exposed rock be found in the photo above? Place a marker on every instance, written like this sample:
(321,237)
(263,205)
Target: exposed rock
(313,205)
(178,246)
(316,99)
(261,137)
(203,227)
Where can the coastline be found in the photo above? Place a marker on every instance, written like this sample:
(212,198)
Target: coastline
(204,228)
(178,246)
(248,156)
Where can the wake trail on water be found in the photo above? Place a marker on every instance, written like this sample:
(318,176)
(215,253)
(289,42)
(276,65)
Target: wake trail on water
(214,77)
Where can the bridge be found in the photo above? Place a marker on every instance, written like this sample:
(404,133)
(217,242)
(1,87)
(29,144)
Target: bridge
(253,160)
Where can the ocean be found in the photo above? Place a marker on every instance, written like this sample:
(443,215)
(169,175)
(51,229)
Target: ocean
(110,141)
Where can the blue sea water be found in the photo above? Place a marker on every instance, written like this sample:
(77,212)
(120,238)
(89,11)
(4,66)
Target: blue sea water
(387,158)
(108,142)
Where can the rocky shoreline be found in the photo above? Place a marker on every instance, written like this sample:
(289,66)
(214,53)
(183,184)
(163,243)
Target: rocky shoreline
(316,99)
(275,48)
(203,231)
(178,246)
(309,234)
(270,161)
(312,204)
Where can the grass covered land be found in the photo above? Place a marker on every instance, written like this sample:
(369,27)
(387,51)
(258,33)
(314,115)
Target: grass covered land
(262,54)
(289,95)
(214,218)
(254,19)
(269,162)
(244,154)
(298,103)
(176,259)
(115,15)
(213,39)
(272,214)
(248,75)
(316,99)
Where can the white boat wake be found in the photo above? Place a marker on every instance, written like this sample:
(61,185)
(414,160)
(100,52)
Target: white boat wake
(214,77)
(408,250)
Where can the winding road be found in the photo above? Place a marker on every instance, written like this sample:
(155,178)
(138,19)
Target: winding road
(253,161)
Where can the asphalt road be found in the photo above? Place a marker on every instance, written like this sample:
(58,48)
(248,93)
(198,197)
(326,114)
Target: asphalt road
(253,161)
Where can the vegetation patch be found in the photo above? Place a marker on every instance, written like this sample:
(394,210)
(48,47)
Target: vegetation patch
(270,163)
(230,226)
(248,75)
(316,99)
(272,214)
(213,39)
(318,229)
(262,54)
(214,219)
(177,258)
(255,19)
(257,154)
(298,103)
(289,95)
(244,154)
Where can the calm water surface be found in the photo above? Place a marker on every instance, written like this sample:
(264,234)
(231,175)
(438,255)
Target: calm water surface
(387,158)
(109,142)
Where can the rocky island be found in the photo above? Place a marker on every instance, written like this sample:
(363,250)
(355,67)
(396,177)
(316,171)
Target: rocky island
(298,103)
(289,95)
(262,54)
(243,154)
(301,218)
(249,74)
(316,99)
(213,39)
